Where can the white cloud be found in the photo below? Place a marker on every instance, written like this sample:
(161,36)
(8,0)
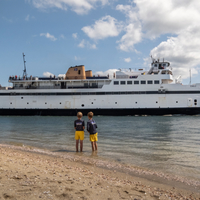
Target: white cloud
(182,51)
(27,17)
(130,12)
(82,44)
(172,16)
(133,36)
(76,58)
(49,36)
(133,28)
(62,36)
(146,19)
(62,76)
(87,44)
(109,73)
(179,19)
(8,20)
(105,27)
(127,60)
(92,46)
(48,74)
(75,35)
(78,6)
(150,19)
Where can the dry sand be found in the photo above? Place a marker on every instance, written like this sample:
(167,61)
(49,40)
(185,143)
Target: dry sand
(27,173)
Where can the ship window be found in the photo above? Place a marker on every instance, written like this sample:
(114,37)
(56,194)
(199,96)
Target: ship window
(176,101)
(156,82)
(45,102)
(94,85)
(160,66)
(82,105)
(156,102)
(149,82)
(92,103)
(122,82)
(22,97)
(115,102)
(116,82)
(60,103)
(79,71)
(10,102)
(129,82)
(86,85)
(195,102)
(84,93)
(136,82)
(143,82)
(27,102)
(136,102)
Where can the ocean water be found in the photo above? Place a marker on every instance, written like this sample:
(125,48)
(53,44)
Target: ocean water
(170,144)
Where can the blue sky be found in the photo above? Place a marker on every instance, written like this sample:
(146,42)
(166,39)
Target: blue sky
(100,34)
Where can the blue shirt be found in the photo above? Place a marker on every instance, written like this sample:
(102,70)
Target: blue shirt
(91,127)
(78,124)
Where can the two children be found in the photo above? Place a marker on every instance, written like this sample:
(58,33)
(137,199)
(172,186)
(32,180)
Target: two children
(79,126)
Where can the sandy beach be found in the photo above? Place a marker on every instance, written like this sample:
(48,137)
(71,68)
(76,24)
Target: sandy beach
(29,173)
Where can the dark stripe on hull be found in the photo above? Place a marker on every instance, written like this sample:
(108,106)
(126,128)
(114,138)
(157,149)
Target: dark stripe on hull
(108,112)
(97,93)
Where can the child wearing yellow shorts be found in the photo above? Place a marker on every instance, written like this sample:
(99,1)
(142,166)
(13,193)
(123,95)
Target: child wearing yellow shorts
(91,128)
(79,126)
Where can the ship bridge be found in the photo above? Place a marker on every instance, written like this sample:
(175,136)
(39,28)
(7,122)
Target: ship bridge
(159,71)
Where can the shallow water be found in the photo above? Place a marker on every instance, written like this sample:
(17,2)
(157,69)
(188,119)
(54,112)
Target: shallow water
(170,144)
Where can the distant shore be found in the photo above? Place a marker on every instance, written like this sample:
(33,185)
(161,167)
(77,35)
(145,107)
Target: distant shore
(30,173)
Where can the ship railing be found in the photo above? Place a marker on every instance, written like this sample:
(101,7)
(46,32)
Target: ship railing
(15,78)
(12,78)
(3,88)
(55,87)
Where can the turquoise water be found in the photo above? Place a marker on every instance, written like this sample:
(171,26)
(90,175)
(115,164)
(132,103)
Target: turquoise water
(170,144)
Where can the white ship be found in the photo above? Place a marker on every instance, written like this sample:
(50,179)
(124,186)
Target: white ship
(152,92)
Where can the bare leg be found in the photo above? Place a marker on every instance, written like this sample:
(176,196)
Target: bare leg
(92,143)
(95,145)
(77,141)
(81,145)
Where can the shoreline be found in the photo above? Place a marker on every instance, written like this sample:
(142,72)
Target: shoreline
(92,177)
(102,162)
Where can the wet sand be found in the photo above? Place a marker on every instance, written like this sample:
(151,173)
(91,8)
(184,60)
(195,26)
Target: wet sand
(29,173)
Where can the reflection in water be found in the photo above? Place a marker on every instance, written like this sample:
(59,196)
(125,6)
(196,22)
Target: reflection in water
(166,143)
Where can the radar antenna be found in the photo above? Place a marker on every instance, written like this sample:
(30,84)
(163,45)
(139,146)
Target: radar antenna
(24,71)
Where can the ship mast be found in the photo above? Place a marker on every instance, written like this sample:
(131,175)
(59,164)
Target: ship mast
(24,71)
